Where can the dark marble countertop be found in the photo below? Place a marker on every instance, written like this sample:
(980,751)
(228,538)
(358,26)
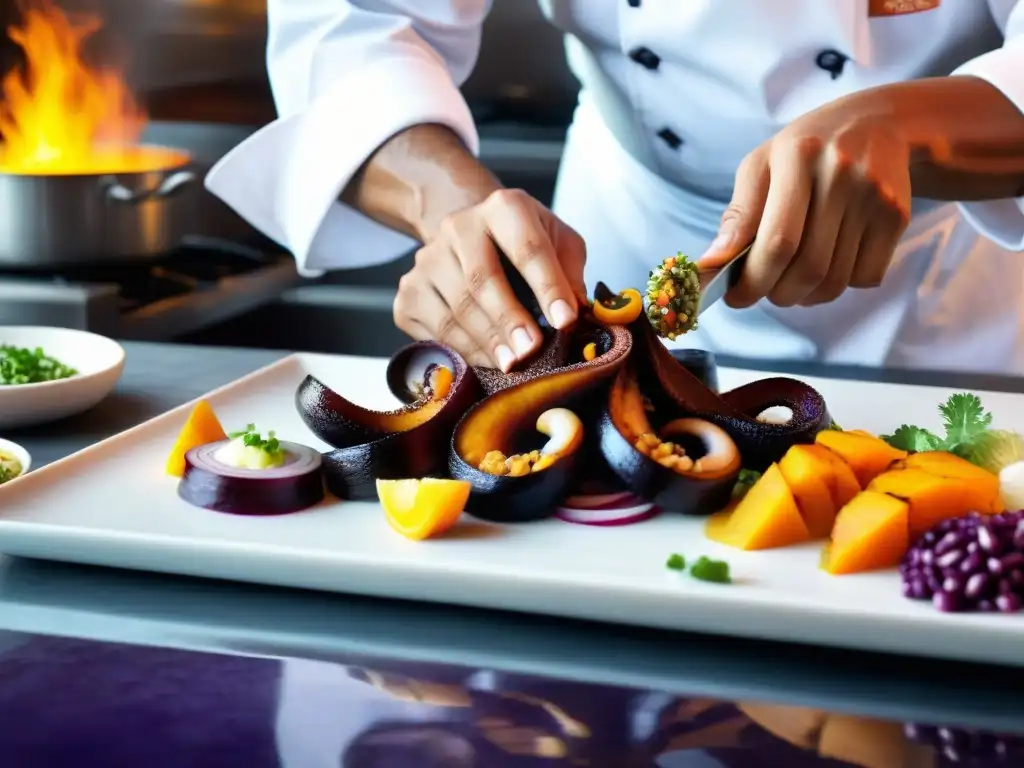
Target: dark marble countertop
(439,644)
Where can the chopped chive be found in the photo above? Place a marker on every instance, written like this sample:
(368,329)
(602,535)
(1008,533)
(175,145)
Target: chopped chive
(252,439)
(676,562)
(715,571)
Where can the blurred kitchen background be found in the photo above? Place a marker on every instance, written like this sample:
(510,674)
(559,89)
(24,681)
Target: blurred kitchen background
(197,66)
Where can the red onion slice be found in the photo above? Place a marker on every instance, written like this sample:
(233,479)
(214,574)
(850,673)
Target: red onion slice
(295,485)
(598,500)
(625,509)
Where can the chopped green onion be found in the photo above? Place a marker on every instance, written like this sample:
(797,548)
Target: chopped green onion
(676,562)
(251,438)
(30,366)
(715,571)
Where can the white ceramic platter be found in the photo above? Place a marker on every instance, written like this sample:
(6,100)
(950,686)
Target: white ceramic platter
(112,505)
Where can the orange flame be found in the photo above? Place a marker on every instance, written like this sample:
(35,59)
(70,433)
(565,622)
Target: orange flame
(58,115)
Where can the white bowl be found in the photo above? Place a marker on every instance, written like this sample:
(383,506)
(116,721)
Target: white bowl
(15,450)
(98,360)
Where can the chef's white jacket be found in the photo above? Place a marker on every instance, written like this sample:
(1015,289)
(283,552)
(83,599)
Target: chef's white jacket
(675,93)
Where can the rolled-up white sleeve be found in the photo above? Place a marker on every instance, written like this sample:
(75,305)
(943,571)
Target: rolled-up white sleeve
(346,76)
(1002,220)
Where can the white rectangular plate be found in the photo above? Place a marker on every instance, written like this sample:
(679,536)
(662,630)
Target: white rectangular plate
(112,505)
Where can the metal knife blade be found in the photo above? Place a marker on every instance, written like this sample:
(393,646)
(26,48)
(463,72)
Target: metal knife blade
(715,283)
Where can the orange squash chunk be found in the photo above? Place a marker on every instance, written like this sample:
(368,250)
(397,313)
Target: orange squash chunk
(766,518)
(201,428)
(422,509)
(840,478)
(985,484)
(870,533)
(932,498)
(867,455)
(808,478)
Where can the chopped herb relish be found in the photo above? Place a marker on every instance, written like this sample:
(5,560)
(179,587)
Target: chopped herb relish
(715,571)
(676,562)
(704,569)
(251,439)
(19,365)
(673,297)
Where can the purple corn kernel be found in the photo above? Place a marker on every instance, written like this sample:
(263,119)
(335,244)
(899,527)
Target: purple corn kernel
(950,558)
(951,540)
(947,602)
(976,586)
(1013,560)
(972,563)
(1008,603)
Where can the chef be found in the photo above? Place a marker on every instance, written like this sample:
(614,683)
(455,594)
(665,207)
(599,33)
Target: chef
(873,151)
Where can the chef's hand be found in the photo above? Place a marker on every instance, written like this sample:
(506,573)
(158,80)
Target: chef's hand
(457,292)
(827,200)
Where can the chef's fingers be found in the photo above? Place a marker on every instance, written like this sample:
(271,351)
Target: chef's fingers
(492,313)
(743,215)
(836,190)
(418,306)
(878,246)
(420,332)
(572,253)
(454,287)
(889,188)
(514,222)
(851,232)
(782,223)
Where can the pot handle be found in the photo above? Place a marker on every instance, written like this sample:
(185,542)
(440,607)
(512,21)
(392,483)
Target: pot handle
(118,192)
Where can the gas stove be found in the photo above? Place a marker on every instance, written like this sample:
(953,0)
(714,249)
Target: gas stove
(204,282)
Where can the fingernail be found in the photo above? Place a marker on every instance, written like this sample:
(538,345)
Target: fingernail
(719,244)
(561,314)
(505,358)
(521,342)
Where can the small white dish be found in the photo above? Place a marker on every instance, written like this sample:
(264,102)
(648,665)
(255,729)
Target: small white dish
(20,455)
(98,360)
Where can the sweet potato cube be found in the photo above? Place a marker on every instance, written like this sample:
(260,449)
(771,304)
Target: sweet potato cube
(766,518)
(841,480)
(932,498)
(870,533)
(808,476)
(984,485)
(867,455)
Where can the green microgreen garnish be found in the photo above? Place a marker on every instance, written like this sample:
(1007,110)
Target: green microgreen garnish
(704,569)
(251,438)
(19,365)
(966,429)
(746,480)
(676,562)
(715,571)
(6,474)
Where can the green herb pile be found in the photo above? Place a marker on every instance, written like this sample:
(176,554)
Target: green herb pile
(7,473)
(704,569)
(30,366)
(251,438)
(967,433)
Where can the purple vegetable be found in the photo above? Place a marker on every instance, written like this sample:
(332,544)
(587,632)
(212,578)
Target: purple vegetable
(972,563)
(968,748)
(293,486)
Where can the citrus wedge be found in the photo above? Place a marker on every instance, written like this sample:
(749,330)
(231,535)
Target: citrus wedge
(422,508)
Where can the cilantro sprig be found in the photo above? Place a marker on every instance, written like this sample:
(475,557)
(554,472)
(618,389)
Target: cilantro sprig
(251,438)
(966,426)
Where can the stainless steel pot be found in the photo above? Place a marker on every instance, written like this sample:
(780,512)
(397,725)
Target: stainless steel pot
(49,222)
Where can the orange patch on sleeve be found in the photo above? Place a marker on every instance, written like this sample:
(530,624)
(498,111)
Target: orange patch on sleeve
(900,7)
